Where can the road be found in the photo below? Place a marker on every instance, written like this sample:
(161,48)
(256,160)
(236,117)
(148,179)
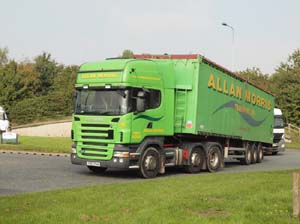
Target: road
(21,173)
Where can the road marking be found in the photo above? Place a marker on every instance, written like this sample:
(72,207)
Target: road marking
(34,153)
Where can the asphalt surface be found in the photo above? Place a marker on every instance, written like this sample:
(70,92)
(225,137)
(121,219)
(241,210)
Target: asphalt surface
(21,173)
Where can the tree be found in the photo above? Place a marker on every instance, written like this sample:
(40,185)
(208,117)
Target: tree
(255,76)
(35,90)
(46,69)
(127,54)
(286,86)
(3,56)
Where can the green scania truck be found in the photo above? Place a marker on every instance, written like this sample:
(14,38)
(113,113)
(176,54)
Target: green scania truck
(157,111)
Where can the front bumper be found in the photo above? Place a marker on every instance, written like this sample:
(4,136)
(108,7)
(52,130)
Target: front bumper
(121,163)
(118,160)
(276,147)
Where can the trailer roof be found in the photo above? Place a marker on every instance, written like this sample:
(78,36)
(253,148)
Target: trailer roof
(198,56)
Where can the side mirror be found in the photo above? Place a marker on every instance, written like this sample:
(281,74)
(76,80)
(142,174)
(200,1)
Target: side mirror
(6,116)
(74,96)
(140,102)
(74,101)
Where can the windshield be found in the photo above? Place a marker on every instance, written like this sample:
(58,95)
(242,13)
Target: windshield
(102,102)
(2,116)
(278,122)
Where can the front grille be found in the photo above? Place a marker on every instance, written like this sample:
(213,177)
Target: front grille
(277,136)
(83,150)
(93,137)
(93,131)
(96,125)
(94,141)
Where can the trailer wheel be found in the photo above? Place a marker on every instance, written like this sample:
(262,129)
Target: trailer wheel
(196,161)
(253,153)
(260,154)
(214,158)
(247,156)
(96,169)
(149,163)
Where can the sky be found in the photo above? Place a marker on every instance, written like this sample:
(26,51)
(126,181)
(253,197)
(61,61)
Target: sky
(75,31)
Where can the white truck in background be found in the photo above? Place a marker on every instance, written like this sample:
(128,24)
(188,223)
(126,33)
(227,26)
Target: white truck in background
(4,122)
(278,133)
(6,136)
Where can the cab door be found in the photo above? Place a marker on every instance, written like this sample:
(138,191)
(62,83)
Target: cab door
(148,120)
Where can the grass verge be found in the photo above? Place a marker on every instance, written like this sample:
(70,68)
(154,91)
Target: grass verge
(293,145)
(295,138)
(264,197)
(41,144)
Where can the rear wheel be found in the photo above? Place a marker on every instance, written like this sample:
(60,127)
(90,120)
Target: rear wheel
(253,153)
(260,154)
(196,161)
(96,169)
(149,163)
(214,158)
(247,156)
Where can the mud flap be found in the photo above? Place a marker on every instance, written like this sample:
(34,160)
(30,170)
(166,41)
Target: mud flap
(162,164)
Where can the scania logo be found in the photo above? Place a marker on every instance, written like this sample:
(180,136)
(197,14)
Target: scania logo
(94,119)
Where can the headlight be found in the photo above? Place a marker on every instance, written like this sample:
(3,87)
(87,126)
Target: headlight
(121,154)
(74,148)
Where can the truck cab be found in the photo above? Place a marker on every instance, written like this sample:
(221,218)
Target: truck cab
(278,132)
(121,106)
(4,122)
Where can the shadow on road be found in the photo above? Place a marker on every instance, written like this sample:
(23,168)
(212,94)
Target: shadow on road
(131,174)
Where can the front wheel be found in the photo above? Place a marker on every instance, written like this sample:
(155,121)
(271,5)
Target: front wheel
(149,163)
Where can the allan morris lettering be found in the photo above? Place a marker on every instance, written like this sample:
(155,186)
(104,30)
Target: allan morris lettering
(223,86)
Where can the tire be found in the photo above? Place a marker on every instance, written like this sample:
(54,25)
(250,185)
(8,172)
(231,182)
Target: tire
(149,163)
(274,153)
(253,153)
(260,153)
(96,169)
(247,156)
(213,158)
(197,157)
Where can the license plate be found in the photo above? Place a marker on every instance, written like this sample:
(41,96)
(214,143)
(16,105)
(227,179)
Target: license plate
(89,163)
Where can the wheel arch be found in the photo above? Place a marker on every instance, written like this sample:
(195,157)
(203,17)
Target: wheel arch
(192,145)
(208,145)
(156,142)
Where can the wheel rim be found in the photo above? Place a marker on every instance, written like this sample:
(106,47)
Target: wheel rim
(196,159)
(260,154)
(213,159)
(248,155)
(255,155)
(150,162)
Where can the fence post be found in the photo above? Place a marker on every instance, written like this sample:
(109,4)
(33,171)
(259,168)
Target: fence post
(295,194)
